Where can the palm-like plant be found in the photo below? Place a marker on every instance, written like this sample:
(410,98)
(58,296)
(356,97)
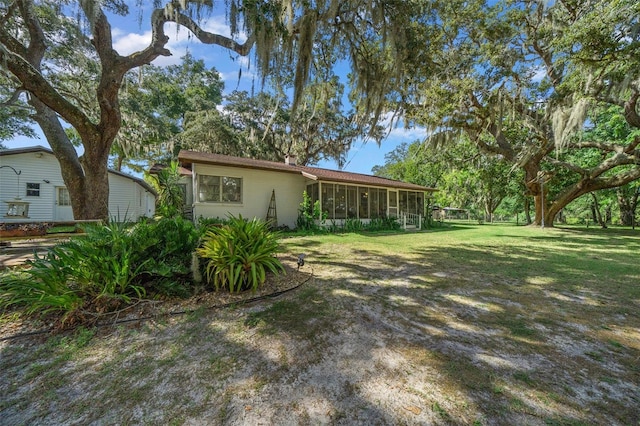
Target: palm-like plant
(170,194)
(239,254)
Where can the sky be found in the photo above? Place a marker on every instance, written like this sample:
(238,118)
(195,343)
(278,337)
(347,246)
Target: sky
(130,36)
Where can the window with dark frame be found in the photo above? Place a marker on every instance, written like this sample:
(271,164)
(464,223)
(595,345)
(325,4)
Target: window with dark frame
(33,189)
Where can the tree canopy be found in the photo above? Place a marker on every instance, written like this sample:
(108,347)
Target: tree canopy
(518,78)
(40,38)
(521,78)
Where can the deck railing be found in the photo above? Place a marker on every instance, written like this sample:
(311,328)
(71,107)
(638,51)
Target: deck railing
(410,220)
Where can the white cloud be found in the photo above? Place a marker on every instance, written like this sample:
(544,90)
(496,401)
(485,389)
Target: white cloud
(397,130)
(408,134)
(539,73)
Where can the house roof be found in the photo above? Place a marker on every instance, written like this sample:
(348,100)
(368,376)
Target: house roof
(40,148)
(314,173)
(155,169)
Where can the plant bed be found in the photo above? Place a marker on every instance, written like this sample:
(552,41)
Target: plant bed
(8,230)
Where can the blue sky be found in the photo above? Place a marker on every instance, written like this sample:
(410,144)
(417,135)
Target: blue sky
(129,37)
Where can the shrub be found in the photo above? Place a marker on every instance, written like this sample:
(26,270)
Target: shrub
(353,225)
(383,223)
(308,214)
(239,254)
(106,267)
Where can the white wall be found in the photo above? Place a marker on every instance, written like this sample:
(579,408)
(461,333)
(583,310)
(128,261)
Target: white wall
(257,186)
(35,167)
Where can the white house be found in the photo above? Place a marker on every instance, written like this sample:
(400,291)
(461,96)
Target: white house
(221,185)
(32,189)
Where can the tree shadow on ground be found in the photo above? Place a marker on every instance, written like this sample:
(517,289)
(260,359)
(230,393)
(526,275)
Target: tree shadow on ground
(429,335)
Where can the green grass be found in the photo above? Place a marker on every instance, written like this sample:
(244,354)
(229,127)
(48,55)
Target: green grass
(491,324)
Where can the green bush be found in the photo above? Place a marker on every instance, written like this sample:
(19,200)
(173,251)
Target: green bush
(308,213)
(353,225)
(107,266)
(383,224)
(239,254)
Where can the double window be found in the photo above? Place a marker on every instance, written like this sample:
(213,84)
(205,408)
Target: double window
(219,189)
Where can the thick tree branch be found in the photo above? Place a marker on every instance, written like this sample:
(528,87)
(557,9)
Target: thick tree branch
(33,81)
(619,159)
(631,109)
(160,17)
(574,168)
(11,102)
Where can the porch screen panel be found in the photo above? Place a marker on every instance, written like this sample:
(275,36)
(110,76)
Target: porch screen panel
(340,202)
(413,208)
(420,203)
(352,202)
(393,203)
(328,199)
(382,204)
(404,201)
(363,197)
(374,203)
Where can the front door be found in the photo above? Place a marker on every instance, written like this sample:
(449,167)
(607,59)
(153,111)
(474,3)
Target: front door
(62,208)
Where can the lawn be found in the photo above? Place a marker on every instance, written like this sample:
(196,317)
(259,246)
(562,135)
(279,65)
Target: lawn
(468,324)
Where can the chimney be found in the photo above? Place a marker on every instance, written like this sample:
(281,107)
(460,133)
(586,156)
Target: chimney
(290,160)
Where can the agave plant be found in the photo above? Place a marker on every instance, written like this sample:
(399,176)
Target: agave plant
(239,254)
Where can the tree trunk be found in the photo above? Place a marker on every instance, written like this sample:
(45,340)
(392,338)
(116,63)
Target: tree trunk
(595,208)
(86,178)
(527,210)
(627,205)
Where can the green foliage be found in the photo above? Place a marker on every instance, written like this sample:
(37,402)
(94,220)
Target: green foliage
(308,214)
(104,268)
(383,224)
(205,222)
(353,225)
(171,197)
(239,254)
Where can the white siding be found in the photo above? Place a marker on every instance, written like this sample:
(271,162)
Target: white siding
(35,167)
(123,194)
(127,198)
(257,186)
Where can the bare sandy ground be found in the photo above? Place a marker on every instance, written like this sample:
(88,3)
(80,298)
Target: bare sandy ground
(368,340)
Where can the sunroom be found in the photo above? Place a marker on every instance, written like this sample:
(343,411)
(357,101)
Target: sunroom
(340,201)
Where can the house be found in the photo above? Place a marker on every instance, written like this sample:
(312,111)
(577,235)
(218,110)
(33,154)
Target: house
(222,185)
(32,189)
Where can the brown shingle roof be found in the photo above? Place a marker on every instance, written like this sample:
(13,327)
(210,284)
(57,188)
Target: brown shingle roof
(315,173)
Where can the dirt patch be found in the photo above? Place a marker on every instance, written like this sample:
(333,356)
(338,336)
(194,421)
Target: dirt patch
(377,339)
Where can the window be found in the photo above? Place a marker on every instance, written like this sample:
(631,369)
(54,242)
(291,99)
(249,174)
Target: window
(63,197)
(33,189)
(219,189)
